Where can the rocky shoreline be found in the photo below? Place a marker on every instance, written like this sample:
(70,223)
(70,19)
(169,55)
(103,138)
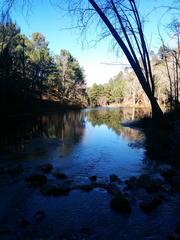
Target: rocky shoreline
(149,192)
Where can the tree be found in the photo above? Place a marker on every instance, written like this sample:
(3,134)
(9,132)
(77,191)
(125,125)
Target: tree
(71,84)
(28,71)
(122,19)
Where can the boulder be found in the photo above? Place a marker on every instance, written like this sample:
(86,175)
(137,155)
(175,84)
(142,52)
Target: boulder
(93,178)
(86,187)
(52,189)
(144,180)
(47,168)
(114,178)
(36,180)
(121,204)
(151,185)
(132,182)
(154,185)
(150,204)
(112,189)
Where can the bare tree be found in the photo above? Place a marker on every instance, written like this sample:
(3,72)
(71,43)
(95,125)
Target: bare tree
(122,19)
(124,24)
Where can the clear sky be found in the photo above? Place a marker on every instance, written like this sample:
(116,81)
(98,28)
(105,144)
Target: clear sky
(45,18)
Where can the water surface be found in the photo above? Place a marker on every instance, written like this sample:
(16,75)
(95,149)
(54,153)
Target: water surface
(81,143)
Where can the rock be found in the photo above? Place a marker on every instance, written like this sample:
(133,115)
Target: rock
(52,189)
(112,189)
(39,216)
(36,180)
(144,180)
(132,182)
(114,178)
(86,187)
(121,204)
(150,204)
(175,183)
(93,178)
(60,175)
(47,168)
(168,174)
(153,185)
(101,185)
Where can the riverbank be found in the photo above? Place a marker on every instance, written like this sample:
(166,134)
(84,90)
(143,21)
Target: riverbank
(161,144)
(33,106)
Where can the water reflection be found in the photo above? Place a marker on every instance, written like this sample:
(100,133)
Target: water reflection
(81,143)
(69,128)
(113,117)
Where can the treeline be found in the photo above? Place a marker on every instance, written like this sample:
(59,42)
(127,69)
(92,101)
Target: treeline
(125,88)
(28,70)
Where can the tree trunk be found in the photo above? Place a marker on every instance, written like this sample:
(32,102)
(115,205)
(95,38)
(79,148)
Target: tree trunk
(157,113)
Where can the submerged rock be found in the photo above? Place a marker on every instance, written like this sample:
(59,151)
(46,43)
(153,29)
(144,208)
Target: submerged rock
(112,189)
(132,182)
(60,175)
(86,187)
(121,204)
(169,174)
(154,185)
(150,204)
(144,180)
(36,179)
(47,168)
(52,189)
(93,178)
(151,185)
(114,178)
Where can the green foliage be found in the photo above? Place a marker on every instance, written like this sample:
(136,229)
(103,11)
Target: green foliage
(28,69)
(111,92)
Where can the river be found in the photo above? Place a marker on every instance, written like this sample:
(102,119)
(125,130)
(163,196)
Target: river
(80,144)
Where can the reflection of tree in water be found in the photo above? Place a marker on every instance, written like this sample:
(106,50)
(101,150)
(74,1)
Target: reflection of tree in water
(68,128)
(64,127)
(113,117)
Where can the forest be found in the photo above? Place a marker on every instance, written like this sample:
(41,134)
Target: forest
(30,72)
(125,90)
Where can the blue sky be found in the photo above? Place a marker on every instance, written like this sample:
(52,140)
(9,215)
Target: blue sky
(45,18)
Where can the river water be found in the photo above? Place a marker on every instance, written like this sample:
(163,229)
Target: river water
(79,144)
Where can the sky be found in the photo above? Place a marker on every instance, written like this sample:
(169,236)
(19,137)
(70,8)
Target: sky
(47,19)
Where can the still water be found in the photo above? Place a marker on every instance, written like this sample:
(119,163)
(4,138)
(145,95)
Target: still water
(80,143)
